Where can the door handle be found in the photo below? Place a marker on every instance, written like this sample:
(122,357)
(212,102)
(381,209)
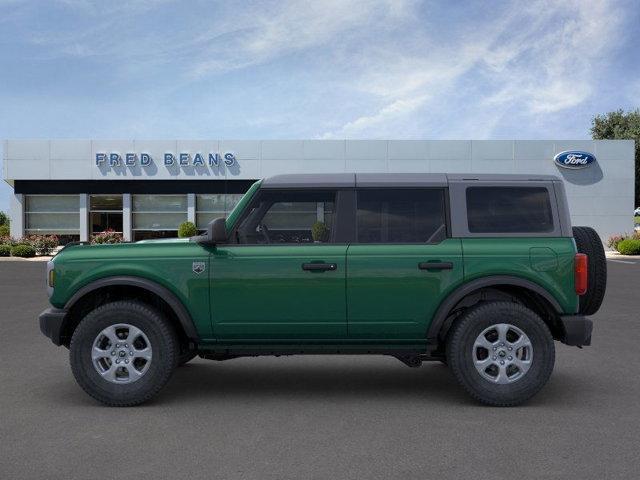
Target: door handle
(319,267)
(435,265)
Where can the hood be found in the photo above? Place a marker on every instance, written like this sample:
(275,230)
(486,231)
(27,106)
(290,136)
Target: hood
(165,240)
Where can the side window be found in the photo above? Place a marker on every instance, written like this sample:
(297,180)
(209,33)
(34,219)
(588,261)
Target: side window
(289,216)
(509,210)
(401,216)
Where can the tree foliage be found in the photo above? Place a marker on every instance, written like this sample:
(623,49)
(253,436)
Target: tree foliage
(187,229)
(620,125)
(4,218)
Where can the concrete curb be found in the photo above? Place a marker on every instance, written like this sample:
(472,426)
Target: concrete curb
(18,259)
(615,255)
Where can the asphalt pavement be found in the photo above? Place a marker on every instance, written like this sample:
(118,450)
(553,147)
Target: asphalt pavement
(319,417)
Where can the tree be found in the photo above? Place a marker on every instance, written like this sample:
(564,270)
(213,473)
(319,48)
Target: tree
(187,229)
(4,218)
(620,125)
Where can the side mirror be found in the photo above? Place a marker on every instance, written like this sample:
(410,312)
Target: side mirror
(217,231)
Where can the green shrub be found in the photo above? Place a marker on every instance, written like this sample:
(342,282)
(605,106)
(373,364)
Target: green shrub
(44,244)
(319,232)
(23,250)
(630,246)
(106,237)
(5,250)
(4,231)
(614,240)
(4,218)
(187,229)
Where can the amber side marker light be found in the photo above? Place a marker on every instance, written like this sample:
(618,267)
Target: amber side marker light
(581,273)
(52,278)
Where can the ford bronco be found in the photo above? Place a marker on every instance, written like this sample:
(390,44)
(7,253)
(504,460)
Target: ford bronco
(480,272)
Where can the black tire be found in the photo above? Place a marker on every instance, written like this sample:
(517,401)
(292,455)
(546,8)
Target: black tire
(164,347)
(588,242)
(460,352)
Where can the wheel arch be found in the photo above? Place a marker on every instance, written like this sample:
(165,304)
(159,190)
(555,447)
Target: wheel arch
(530,293)
(100,291)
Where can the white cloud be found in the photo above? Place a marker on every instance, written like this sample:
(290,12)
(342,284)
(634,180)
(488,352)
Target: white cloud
(542,58)
(389,62)
(292,26)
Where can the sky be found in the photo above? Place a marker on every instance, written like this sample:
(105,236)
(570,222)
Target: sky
(286,69)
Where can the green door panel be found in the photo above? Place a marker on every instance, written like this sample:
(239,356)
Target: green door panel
(389,297)
(168,263)
(262,292)
(545,261)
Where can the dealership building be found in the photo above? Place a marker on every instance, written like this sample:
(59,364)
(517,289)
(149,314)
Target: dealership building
(146,188)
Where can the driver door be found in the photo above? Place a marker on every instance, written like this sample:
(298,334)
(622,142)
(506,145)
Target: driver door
(284,276)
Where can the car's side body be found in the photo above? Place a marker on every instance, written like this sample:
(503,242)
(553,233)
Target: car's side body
(376,297)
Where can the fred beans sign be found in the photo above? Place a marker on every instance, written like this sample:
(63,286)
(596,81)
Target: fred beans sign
(169,159)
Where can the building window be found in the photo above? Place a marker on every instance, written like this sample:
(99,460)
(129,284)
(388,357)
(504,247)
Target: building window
(106,213)
(211,206)
(158,216)
(53,214)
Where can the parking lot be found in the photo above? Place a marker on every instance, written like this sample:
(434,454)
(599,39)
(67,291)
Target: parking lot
(319,417)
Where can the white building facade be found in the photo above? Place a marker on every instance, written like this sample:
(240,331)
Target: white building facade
(146,188)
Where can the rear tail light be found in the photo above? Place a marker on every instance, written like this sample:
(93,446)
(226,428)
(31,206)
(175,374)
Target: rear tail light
(581,273)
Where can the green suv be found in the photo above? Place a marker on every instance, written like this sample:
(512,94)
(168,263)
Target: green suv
(480,272)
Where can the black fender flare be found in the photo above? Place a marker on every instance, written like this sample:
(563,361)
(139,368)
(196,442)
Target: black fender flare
(164,293)
(463,290)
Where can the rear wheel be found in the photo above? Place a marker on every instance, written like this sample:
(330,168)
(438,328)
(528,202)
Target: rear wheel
(588,242)
(123,353)
(502,353)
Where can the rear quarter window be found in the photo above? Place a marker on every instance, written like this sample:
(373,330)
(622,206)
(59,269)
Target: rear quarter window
(509,210)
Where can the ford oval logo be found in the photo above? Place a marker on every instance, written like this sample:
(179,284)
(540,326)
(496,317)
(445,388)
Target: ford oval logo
(574,159)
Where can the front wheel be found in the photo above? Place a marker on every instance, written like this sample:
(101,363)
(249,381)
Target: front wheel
(502,353)
(123,353)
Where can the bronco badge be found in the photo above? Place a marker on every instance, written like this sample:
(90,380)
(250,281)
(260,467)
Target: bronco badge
(198,267)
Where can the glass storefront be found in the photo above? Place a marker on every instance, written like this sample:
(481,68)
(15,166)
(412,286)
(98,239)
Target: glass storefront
(211,206)
(152,215)
(157,216)
(53,214)
(105,213)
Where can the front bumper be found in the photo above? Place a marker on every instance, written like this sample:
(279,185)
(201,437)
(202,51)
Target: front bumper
(51,324)
(577,330)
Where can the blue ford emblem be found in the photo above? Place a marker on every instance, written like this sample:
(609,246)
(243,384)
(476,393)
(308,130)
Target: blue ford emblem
(574,159)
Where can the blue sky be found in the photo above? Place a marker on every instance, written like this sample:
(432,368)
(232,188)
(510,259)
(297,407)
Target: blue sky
(322,69)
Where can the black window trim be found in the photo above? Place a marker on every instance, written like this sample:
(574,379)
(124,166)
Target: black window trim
(445,205)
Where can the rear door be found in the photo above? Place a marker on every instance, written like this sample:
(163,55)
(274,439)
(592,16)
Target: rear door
(402,263)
